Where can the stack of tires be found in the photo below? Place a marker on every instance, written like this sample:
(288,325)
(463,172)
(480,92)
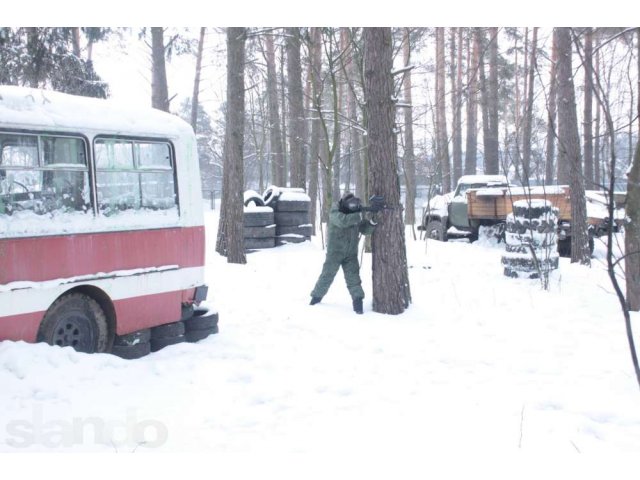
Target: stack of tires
(531,245)
(292,207)
(259,225)
(201,323)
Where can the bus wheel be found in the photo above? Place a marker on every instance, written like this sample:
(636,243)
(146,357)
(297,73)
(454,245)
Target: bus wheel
(75,320)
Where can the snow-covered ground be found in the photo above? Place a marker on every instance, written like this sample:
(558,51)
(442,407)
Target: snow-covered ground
(478,363)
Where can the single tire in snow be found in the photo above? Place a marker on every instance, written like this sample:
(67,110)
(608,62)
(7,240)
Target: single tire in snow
(75,320)
(201,322)
(304,230)
(290,238)
(435,231)
(256,200)
(131,352)
(260,232)
(200,334)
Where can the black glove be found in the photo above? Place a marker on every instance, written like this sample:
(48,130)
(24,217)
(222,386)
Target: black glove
(376,203)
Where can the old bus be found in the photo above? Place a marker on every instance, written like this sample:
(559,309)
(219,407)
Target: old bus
(101,224)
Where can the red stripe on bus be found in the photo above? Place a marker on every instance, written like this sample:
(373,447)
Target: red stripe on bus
(21,327)
(37,259)
(132,314)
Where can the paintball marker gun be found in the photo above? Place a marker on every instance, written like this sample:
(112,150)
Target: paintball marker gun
(376,203)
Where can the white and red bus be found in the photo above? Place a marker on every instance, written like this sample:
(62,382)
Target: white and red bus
(101,222)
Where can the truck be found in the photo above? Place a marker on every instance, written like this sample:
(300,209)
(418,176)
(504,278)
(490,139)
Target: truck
(480,204)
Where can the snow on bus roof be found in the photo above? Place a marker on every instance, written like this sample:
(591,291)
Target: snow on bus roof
(23,107)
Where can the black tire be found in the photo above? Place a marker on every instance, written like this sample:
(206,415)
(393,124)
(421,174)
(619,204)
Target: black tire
(130,352)
(133,338)
(201,322)
(508,272)
(260,232)
(167,330)
(259,243)
(435,231)
(259,218)
(270,196)
(197,335)
(160,343)
(75,320)
(292,205)
(533,212)
(292,219)
(304,230)
(255,199)
(525,263)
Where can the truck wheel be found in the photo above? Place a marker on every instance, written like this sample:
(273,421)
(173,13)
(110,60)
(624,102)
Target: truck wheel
(435,231)
(75,320)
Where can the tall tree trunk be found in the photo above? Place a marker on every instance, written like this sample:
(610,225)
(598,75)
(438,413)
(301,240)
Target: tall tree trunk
(484,102)
(588,109)
(75,39)
(196,82)
(315,67)
(230,240)
(283,120)
(296,108)
(409,155)
(632,226)
(391,291)
(528,114)
(275,135)
(456,102)
(441,113)
(551,116)
(569,148)
(159,87)
(596,142)
(492,145)
(471,151)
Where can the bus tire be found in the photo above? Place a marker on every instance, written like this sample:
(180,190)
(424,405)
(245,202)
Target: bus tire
(75,320)
(131,352)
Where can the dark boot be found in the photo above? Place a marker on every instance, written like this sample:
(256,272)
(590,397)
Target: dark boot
(357,305)
(315,300)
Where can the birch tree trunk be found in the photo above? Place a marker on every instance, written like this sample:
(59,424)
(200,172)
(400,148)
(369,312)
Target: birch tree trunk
(230,240)
(296,108)
(391,291)
(569,148)
(159,88)
(196,82)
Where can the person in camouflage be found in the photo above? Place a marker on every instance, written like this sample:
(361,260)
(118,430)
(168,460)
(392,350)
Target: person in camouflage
(345,226)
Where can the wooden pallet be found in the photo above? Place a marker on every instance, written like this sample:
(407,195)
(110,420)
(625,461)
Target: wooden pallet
(497,203)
